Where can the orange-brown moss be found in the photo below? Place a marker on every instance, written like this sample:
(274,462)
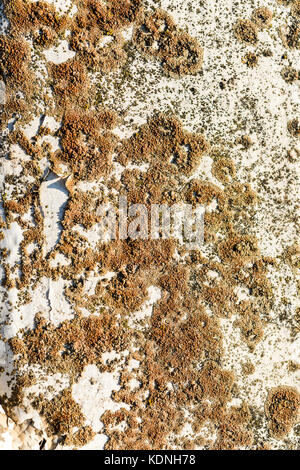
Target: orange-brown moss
(233,430)
(72,345)
(250,325)
(182,343)
(164,142)
(80,438)
(246,31)
(282,410)
(86,147)
(290,35)
(26,16)
(224,170)
(69,80)
(45,37)
(295,8)
(248,368)
(62,414)
(289,74)
(238,248)
(294,127)
(15,55)
(19,80)
(157,36)
(179,347)
(250,59)
(262,17)
(292,257)
(216,383)
(241,196)
(81,209)
(114,15)
(93,23)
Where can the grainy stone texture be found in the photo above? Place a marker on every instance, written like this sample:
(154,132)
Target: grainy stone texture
(137,344)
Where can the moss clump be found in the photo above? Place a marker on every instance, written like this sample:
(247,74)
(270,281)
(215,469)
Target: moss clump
(250,59)
(158,36)
(45,37)
(282,410)
(289,74)
(246,31)
(224,169)
(290,35)
(262,17)
(69,81)
(62,413)
(245,141)
(295,9)
(294,127)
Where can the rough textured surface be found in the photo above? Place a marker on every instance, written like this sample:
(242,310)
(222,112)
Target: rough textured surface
(145,344)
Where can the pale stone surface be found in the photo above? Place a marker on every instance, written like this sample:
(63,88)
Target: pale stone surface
(218,114)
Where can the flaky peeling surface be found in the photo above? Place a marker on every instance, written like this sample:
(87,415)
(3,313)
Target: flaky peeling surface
(144,344)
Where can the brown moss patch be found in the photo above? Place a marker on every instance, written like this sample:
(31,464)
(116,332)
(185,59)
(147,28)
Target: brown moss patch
(248,368)
(246,31)
(19,80)
(182,343)
(80,438)
(69,81)
(282,410)
(164,142)
(250,325)
(179,346)
(81,209)
(96,21)
(289,74)
(295,8)
(241,196)
(250,59)
(245,141)
(157,36)
(114,15)
(72,345)
(216,383)
(62,414)
(26,16)
(290,35)
(233,430)
(45,37)
(86,147)
(238,247)
(294,127)
(262,17)
(15,55)
(292,257)
(224,170)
